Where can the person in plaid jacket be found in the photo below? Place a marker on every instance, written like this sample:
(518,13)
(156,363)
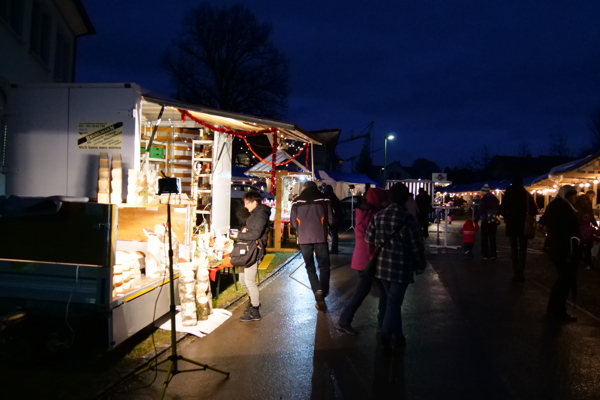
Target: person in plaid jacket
(398,261)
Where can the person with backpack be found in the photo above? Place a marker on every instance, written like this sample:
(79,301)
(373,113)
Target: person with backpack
(257,230)
(488,214)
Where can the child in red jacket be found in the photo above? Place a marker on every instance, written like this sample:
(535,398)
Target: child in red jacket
(469,230)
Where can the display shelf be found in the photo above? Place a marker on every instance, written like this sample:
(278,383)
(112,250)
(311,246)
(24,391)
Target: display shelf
(147,284)
(203,159)
(207,212)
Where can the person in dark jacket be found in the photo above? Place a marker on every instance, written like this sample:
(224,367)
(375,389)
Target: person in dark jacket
(517,203)
(561,224)
(311,215)
(584,205)
(257,228)
(487,212)
(587,225)
(423,200)
(336,206)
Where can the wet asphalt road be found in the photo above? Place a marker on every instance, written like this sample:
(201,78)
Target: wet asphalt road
(471,334)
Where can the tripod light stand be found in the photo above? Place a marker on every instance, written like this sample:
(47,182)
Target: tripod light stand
(172,186)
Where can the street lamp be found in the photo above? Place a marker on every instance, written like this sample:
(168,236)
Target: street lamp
(388,137)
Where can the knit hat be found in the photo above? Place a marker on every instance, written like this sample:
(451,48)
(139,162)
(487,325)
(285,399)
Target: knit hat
(485,188)
(376,196)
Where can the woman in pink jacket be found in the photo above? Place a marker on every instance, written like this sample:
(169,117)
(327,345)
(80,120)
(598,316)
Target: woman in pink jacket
(376,200)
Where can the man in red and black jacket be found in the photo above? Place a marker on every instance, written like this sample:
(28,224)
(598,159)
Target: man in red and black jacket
(311,216)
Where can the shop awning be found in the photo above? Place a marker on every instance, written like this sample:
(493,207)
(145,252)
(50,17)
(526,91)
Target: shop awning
(344,177)
(264,169)
(575,165)
(152,103)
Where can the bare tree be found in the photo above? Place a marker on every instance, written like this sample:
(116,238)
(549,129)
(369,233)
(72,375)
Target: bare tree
(524,148)
(483,159)
(224,58)
(425,168)
(559,146)
(594,125)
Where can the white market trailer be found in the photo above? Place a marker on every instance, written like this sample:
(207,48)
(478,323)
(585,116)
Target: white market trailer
(64,259)
(53,146)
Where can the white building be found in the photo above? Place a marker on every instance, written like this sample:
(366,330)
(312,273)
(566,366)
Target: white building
(38,42)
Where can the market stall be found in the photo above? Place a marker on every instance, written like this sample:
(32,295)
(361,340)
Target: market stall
(103,148)
(288,184)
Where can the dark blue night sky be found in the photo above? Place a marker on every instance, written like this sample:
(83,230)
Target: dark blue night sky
(448,77)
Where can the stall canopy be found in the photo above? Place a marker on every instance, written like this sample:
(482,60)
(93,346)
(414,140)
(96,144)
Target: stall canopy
(263,169)
(494,185)
(584,171)
(337,176)
(152,104)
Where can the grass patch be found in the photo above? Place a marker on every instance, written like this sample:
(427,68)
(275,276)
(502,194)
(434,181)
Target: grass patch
(229,293)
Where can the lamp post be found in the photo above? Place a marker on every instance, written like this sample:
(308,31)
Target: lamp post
(388,137)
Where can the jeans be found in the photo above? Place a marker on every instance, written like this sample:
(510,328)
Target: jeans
(321,252)
(392,322)
(518,253)
(363,288)
(488,240)
(248,281)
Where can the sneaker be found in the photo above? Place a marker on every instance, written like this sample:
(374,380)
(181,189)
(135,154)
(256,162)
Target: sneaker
(321,305)
(346,328)
(253,315)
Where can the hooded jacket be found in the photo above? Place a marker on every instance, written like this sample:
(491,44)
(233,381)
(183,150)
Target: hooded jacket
(516,204)
(362,252)
(561,225)
(469,230)
(311,216)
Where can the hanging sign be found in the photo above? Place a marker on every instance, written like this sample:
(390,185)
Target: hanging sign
(439,177)
(100,135)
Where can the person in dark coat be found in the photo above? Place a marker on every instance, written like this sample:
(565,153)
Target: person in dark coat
(584,205)
(311,215)
(338,216)
(561,225)
(487,212)
(587,225)
(517,203)
(257,228)
(423,200)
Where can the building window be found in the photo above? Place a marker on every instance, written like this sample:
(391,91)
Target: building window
(12,11)
(41,27)
(62,58)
